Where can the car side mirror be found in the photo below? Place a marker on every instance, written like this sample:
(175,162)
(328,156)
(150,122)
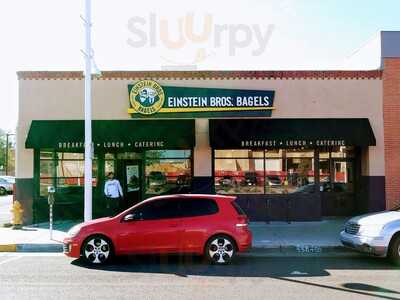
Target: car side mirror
(130,217)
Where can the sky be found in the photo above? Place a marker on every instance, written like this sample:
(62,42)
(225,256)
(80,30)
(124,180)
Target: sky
(186,35)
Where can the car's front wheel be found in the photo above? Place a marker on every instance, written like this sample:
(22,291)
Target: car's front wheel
(220,250)
(394,250)
(97,250)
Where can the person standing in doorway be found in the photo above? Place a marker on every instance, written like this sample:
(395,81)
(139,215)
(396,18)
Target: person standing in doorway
(113,193)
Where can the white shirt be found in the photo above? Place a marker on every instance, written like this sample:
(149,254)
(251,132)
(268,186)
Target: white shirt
(113,189)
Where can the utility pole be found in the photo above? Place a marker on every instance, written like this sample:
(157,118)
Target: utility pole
(88,112)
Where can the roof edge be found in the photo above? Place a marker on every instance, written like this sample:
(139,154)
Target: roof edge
(118,75)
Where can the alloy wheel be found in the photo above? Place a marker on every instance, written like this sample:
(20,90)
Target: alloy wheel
(97,250)
(221,250)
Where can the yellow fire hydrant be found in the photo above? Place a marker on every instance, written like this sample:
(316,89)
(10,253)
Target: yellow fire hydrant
(17,215)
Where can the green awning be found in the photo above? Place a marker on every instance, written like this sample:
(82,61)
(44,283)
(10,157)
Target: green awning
(261,133)
(113,134)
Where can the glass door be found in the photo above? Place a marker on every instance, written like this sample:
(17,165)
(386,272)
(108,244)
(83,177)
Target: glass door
(338,198)
(132,182)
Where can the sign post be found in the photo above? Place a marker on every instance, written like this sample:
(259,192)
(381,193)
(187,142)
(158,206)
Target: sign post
(88,112)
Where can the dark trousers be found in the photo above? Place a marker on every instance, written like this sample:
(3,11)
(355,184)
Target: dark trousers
(112,206)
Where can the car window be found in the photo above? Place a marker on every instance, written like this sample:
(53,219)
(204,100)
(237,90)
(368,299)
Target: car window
(158,209)
(3,181)
(198,207)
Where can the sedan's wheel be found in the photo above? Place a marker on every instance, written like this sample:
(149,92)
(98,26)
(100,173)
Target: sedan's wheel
(394,250)
(97,250)
(220,250)
(3,191)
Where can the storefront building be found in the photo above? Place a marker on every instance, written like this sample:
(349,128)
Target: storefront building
(292,145)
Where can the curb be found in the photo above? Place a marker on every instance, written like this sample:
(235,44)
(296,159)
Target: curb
(260,252)
(302,251)
(31,248)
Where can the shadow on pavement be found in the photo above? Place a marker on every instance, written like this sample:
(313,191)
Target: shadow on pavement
(241,267)
(294,270)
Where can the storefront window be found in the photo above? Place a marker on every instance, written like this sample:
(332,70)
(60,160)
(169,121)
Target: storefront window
(168,171)
(168,154)
(239,176)
(273,171)
(238,153)
(109,167)
(336,169)
(63,170)
(342,152)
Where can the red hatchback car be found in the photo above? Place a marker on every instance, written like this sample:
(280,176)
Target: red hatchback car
(210,225)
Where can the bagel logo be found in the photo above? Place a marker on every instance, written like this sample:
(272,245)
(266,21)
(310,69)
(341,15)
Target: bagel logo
(146,97)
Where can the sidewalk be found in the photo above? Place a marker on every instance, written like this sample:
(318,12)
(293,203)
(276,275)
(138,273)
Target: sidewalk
(269,240)
(320,238)
(34,238)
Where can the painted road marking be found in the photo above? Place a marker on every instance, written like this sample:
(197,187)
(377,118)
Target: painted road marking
(9,260)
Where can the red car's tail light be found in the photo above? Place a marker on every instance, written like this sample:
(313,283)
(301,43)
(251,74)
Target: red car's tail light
(243,221)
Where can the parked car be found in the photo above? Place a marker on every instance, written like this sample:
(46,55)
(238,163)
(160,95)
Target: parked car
(209,225)
(377,234)
(273,180)
(6,186)
(183,180)
(227,181)
(156,178)
(250,178)
(10,179)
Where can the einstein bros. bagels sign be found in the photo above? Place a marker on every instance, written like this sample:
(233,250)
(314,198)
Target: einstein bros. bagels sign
(147,98)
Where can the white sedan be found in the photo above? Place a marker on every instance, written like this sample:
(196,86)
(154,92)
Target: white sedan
(377,234)
(6,185)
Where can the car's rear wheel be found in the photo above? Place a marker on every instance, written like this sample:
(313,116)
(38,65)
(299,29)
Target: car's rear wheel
(220,250)
(97,249)
(394,250)
(3,191)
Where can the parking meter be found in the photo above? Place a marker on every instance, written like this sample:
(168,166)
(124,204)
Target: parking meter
(51,190)
(50,199)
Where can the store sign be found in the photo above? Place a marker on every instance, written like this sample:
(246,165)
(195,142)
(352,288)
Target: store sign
(148,99)
(115,145)
(290,143)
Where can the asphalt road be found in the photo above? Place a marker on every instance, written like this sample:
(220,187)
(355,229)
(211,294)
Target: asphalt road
(52,276)
(5,206)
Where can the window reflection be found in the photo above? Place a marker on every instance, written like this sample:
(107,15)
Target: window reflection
(239,176)
(281,171)
(168,175)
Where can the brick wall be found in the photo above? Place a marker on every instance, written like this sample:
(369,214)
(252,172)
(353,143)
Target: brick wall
(391,117)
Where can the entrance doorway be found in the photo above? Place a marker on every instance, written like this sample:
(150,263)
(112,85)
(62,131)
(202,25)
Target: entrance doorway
(131,181)
(338,195)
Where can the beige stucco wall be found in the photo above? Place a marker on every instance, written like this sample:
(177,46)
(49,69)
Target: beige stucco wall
(295,98)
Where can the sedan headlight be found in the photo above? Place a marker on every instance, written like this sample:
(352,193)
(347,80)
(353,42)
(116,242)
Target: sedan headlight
(74,230)
(370,230)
